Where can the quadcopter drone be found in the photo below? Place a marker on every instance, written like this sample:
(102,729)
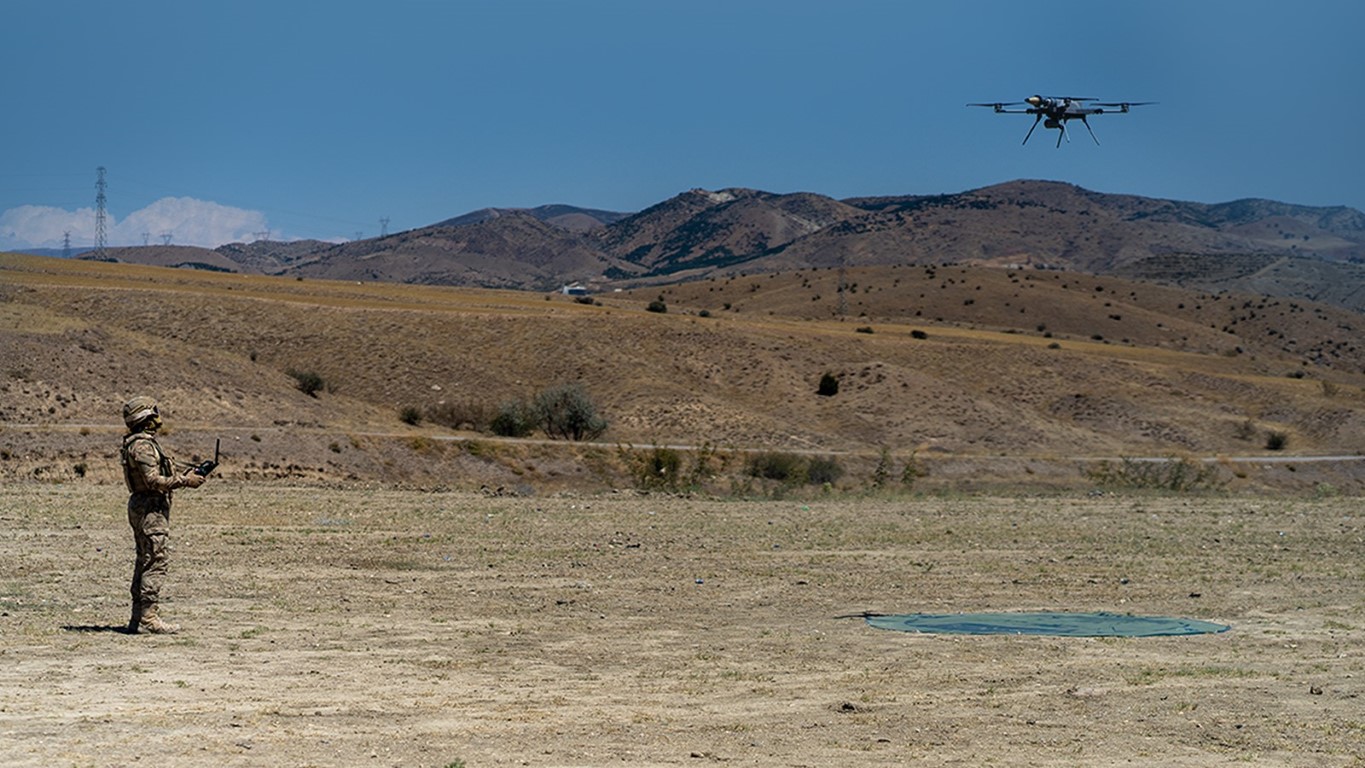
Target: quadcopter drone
(1055,111)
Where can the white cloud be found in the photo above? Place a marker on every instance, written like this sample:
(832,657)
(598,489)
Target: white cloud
(38,226)
(188,222)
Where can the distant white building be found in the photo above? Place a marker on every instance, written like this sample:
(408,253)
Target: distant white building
(574,289)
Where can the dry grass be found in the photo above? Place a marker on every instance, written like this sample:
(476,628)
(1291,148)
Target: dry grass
(83,336)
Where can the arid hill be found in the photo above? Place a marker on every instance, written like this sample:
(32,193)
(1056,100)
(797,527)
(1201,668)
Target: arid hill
(1034,372)
(562,216)
(1251,246)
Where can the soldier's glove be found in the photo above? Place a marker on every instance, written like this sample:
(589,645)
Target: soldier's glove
(191,480)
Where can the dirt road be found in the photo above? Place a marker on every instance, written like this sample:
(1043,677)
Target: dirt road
(350,627)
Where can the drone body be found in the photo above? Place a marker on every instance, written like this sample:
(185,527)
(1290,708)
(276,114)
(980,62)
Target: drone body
(1055,111)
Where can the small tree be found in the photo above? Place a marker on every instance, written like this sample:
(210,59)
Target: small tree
(566,411)
(829,385)
(657,305)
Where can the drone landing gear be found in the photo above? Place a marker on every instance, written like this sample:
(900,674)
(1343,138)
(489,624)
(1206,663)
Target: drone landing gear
(1030,130)
(1088,128)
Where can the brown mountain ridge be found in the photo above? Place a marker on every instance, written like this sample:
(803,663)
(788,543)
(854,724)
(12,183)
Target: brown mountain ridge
(1258,246)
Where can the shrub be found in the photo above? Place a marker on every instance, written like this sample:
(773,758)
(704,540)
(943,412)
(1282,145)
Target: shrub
(911,472)
(823,469)
(773,465)
(1276,441)
(705,464)
(657,305)
(308,382)
(410,415)
(829,385)
(658,468)
(567,411)
(882,471)
(1171,474)
(514,419)
(461,414)
(917,334)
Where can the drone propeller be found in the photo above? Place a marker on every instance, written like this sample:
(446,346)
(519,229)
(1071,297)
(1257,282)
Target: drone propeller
(1123,105)
(998,106)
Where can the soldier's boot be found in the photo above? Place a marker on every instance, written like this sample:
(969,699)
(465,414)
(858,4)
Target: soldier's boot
(152,624)
(136,618)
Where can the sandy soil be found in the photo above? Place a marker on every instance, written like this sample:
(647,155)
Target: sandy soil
(349,627)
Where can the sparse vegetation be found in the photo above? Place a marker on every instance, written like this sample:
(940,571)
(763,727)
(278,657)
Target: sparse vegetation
(461,414)
(829,385)
(385,346)
(658,468)
(410,415)
(308,382)
(567,412)
(882,472)
(823,470)
(1180,474)
(1276,440)
(514,419)
(784,467)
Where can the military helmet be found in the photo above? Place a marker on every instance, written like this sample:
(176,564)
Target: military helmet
(138,410)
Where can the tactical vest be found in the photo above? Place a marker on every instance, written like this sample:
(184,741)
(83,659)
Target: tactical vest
(135,481)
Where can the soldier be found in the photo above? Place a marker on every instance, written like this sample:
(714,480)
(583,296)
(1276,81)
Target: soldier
(151,479)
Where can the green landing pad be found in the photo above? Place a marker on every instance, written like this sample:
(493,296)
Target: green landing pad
(1051,624)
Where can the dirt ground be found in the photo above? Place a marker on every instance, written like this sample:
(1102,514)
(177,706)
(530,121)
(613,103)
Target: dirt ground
(326,627)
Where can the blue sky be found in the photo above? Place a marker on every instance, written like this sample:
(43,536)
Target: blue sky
(220,121)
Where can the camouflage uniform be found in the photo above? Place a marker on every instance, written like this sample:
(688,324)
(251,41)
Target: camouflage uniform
(151,478)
